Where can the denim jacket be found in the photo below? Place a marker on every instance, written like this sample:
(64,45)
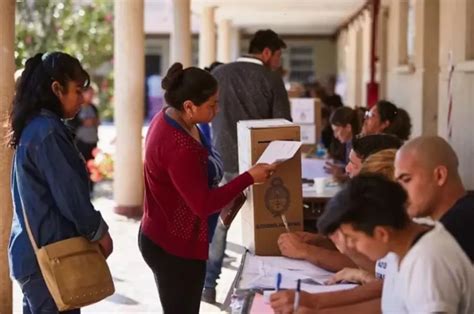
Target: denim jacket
(49,180)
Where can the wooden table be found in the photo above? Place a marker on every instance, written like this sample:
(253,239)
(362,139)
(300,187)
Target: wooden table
(313,206)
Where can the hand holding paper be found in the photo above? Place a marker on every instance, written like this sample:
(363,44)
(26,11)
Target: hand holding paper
(261,172)
(279,151)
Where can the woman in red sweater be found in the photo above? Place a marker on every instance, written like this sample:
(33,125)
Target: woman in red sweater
(181,172)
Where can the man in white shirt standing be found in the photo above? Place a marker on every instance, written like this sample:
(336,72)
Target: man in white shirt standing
(433,274)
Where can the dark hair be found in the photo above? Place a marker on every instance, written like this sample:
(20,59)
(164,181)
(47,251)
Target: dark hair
(343,116)
(370,144)
(191,83)
(33,90)
(213,66)
(266,39)
(400,123)
(366,201)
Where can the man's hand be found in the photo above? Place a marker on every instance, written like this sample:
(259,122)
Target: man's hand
(307,237)
(106,244)
(292,245)
(351,275)
(282,301)
(337,172)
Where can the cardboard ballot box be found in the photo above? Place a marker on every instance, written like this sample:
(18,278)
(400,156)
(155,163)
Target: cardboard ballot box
(306,112)
(281,194)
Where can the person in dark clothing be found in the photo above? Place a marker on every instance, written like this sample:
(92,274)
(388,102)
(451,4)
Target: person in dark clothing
(427,167)
(85,126)
(248,89)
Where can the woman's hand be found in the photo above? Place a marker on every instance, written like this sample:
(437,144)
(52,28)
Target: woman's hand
(261,172)
(106,244)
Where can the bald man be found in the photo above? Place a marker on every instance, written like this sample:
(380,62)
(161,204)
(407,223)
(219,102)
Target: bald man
(427,167)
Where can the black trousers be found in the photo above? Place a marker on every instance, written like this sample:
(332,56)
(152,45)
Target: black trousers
(86,151)
(180,281)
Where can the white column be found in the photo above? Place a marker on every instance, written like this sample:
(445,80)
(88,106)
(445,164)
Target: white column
(223,41)
(181,50)
(234,43)
(207,37)
(129,67)
(7,69)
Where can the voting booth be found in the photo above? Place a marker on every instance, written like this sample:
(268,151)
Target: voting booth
(281,195)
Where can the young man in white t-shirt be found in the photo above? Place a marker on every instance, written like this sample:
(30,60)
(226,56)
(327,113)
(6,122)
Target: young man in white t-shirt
(432,273)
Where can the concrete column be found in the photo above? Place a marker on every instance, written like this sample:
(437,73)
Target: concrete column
(234,43)
(359,55)
(7,69)
(181,50)
(427,36)
(129,67)
(207,37)
(223,41)
(365,57)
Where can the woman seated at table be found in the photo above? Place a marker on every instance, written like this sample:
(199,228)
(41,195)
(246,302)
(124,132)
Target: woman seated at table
(387,118)
(346,125)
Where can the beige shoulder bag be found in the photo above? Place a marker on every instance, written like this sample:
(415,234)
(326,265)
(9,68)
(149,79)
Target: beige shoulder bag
(75,271)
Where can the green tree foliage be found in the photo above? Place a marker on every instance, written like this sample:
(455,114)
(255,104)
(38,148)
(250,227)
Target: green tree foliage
(82,28)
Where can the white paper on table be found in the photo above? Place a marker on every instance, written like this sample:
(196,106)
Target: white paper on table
(279,151)
(313,168)
(326,288)
(260,272)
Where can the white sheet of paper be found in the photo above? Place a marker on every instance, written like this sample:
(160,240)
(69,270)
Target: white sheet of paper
(260,272)
(313,168)
(279,151)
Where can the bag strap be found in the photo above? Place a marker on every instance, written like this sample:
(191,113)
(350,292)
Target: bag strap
(28,229)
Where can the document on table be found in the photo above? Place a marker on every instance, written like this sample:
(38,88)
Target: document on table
(313,168)
(260,271)
(279,151)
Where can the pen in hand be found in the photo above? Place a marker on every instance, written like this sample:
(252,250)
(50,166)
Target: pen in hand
(297,295)
(278,282)
(285,222)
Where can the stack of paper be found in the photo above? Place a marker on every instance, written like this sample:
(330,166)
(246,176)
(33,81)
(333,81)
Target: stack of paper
(259,272)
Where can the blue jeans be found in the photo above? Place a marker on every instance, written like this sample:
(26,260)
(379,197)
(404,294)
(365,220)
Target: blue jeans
(36,297)
(217,246)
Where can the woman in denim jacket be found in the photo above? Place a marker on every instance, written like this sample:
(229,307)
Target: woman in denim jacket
(49,178)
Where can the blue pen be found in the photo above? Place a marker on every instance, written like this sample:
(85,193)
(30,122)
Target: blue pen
(278,282)
(297,295)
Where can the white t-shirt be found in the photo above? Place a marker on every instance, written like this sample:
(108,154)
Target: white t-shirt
(435,276)
(382,264)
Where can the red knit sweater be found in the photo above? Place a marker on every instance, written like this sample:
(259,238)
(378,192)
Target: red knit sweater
(178,200)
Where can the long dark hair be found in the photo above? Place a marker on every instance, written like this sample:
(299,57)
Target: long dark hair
(33,90)
(191,83)
(343,116)
(400,122)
